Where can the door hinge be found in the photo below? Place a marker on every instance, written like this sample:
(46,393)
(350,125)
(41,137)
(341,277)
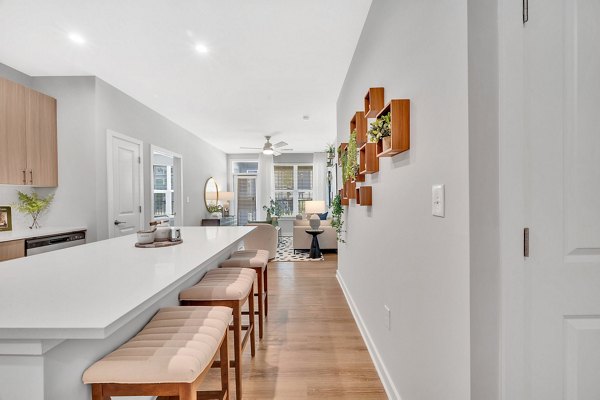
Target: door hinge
(139,160)
(525,11)
(140,208)
(526,242)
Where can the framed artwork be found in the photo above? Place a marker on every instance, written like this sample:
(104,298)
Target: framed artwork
(5,219)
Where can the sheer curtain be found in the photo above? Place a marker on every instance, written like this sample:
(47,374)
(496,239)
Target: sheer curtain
(265,181)
(320,176)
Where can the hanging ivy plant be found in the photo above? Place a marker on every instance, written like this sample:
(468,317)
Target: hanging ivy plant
(352,156)
(337,222)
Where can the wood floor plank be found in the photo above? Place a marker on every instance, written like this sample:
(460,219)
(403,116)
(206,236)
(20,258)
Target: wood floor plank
(312,348)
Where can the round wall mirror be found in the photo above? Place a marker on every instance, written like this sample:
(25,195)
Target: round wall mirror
(211,193)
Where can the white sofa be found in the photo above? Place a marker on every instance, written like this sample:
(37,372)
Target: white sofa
(303,240)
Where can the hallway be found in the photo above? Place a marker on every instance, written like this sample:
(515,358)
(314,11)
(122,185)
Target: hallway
(312,348)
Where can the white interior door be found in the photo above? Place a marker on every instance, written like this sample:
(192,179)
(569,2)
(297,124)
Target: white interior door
(562,125)
(245,198)
(125,188)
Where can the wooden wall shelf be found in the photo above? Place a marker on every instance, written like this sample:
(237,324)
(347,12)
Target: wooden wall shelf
(344,200)
(357,195)
(359,122)
(341,148)
(368,161)
(351,189)
(373,102)
(365,195)
(400,127)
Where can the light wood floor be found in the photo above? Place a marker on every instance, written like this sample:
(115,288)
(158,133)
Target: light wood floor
(312,348)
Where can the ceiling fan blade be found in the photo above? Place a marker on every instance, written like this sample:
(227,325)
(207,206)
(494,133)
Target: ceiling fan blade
(251,148)
(285,150)
(276,153)
(280,144)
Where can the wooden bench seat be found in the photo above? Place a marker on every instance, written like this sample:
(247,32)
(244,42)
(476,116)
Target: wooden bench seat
(170,356)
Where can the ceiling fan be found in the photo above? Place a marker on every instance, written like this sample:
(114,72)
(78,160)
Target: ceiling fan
(270,148)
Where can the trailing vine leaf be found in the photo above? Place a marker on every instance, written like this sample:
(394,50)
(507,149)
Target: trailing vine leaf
(337,222)
(352,156)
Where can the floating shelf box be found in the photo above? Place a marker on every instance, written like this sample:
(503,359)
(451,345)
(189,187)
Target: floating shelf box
(359,122)
(365,195)
(368,161)
(344,200)
(357,195)
(351,190)
(400,127)
(373,102)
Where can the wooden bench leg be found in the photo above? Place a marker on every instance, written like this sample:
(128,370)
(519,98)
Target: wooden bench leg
(224,360)
(237,344)
(187,392)
(266,289)
(260,303)
(251,326)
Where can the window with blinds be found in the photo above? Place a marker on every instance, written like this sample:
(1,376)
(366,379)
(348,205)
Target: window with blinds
(293,186)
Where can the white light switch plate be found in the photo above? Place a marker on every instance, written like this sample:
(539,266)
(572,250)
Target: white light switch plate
(438,206)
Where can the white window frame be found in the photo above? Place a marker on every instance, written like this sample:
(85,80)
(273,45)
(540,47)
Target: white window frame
(233,184)
(168,192)
(176,214)
(296,200)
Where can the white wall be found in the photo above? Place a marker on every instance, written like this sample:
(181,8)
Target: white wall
(87,107)
(396,252)
(484,199)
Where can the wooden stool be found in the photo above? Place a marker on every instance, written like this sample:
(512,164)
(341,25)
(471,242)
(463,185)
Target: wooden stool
(258,261)
(230,287)
(169,357)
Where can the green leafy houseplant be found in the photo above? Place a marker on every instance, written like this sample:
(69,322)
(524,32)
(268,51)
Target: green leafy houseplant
(214,208)
(337,222)
(344,161)
(330,150)
(380,128)
(34,206)
(273,209)
(352,156)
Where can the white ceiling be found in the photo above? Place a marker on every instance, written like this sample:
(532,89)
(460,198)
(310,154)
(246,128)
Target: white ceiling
(270,61)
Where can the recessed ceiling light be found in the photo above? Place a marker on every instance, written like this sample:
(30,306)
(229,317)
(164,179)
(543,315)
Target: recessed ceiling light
(76,38)
(306,117)
(202,49)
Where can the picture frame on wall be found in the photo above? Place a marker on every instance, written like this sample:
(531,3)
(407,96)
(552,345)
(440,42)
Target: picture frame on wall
(5,219)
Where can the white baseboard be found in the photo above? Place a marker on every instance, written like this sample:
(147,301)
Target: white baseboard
(386,380)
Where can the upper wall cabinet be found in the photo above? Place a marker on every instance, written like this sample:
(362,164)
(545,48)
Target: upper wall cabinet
(28,142)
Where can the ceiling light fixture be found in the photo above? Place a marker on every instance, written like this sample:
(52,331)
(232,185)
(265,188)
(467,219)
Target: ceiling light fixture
(202,49)
(268,152)
(77,38)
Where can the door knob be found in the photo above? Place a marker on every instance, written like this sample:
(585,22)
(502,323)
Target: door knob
(117,222)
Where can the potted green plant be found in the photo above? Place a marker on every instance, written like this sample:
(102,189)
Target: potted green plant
(336,213)
(330,150)
(34,206)
(273,210)
(381,130)
(215,210)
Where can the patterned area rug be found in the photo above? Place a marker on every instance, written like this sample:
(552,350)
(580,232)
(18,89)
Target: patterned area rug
(285,252)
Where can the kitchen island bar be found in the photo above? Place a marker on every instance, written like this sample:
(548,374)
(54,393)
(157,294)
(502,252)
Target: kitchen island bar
(63,310)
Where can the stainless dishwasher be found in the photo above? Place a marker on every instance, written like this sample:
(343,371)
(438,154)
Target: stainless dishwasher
(54,242)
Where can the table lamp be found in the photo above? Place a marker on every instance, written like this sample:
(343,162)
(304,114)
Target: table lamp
(315,207)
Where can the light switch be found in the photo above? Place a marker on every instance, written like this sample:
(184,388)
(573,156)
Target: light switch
(187,199)
(437,201)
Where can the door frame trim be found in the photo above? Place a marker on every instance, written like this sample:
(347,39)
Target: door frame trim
(110,135)
(168,153)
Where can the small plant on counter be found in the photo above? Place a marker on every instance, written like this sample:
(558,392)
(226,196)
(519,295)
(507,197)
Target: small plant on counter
(33,205)
(337,222)
(352,156)
(380,128)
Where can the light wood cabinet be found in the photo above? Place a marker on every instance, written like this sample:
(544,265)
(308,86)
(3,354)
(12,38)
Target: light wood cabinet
(28,139)
(12,249)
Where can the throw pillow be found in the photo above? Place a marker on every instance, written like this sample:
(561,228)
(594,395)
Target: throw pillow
(323,216)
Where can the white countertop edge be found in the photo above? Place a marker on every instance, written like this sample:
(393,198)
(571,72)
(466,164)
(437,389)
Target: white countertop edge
(9,334)
(9,236)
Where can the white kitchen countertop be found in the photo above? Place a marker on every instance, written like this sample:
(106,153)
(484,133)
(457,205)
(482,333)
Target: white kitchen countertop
(33,233)
(90,291)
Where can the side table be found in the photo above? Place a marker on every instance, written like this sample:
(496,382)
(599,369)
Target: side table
(315,250)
